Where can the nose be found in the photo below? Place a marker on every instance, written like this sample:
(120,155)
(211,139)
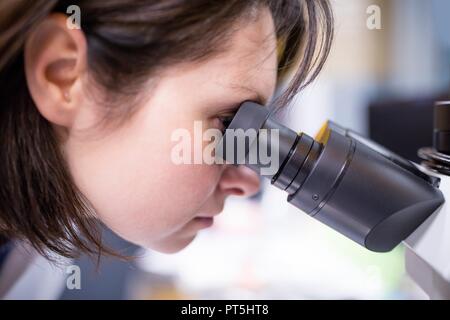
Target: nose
(239,181)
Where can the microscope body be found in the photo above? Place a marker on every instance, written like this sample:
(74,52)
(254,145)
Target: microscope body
(357,187)
(427,250)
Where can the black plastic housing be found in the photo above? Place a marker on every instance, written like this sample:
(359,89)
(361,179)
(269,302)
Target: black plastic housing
(441,133)
(356,187)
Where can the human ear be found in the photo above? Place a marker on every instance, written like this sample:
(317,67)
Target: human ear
(55,62)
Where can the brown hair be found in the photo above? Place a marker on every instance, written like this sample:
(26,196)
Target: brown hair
(127,42)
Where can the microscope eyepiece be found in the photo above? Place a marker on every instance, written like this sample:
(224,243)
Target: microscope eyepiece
(356,187)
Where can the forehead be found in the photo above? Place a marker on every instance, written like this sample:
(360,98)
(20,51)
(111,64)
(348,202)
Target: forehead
(245,67)
(250,58)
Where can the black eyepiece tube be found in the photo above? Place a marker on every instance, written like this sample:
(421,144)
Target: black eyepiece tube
(366,194)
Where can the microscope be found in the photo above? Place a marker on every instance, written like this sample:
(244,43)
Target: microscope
(356,186)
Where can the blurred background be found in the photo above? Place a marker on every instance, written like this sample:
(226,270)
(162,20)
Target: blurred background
(380,82)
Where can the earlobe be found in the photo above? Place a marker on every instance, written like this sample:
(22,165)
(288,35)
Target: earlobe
(55,62)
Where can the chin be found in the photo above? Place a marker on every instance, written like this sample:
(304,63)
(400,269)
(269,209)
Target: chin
(172,245)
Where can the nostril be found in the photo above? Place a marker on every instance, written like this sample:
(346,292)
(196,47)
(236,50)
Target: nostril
(239,181)
(236,192)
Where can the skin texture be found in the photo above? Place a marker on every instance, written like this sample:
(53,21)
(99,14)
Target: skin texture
(127,173)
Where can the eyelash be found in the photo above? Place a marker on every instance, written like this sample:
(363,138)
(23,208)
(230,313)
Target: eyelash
(226,117)
(225,121)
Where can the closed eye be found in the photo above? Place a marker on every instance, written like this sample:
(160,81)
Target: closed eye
(226,121)
(227,117)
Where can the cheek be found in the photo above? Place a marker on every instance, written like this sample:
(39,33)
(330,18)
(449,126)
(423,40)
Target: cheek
(191,187)
(163,199)
(135,187)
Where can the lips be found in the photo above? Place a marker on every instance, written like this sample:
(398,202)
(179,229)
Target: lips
(207,218)
(211,214)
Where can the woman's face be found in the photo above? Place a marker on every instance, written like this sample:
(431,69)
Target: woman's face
(128,174)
